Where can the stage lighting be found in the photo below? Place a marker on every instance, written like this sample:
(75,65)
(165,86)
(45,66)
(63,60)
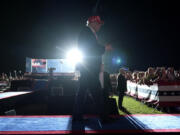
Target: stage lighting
(118,61)
(74,56)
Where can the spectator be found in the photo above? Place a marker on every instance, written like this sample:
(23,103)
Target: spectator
(177,75)
(161,75)
(134,77)
(128,75)
(170,74)
(140,77)
(150,76)
(164,75)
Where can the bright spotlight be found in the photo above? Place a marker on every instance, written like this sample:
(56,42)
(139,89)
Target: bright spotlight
(74,56)
(118,61)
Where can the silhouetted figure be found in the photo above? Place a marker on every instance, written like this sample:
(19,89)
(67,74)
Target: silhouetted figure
(107,87)
(121,86)
(90,68)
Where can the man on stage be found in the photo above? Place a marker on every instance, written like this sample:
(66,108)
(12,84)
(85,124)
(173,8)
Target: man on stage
(90,68)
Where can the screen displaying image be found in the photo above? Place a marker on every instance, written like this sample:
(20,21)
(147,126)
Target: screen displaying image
(39,65)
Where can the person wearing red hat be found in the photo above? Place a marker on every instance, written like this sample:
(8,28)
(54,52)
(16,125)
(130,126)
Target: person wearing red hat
(90,68)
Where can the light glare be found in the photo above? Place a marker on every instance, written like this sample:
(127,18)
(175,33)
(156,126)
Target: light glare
(74,56)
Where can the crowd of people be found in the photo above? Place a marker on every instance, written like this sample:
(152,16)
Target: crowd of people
(148,77)
(151,75)
(17,75)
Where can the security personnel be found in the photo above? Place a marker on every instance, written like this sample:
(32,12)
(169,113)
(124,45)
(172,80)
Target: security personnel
(121,86)
(90,67)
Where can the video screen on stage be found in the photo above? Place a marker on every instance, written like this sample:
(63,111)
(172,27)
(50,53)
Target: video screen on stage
(39,65)
(42,65)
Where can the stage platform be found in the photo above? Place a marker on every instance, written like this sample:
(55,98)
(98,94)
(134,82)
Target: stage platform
(6,95)
(62,124)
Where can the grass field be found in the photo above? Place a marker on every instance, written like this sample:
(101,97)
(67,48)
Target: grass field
(135,107)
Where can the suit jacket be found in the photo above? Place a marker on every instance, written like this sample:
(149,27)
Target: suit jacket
(121,85)
(107,83)
(91,50)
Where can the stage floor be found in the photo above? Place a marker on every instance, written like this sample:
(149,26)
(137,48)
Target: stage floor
(62,124)
(5,95)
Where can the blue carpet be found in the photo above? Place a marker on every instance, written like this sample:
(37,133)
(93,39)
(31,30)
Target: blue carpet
(63,124)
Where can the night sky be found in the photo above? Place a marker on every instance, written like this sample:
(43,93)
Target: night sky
(143,33)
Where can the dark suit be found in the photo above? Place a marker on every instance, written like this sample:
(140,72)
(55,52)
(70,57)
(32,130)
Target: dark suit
(121,88)
(107,86)
(107,89)
(89,71)
(92,51)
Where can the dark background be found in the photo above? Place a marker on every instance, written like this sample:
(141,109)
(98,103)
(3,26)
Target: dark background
(143,32)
